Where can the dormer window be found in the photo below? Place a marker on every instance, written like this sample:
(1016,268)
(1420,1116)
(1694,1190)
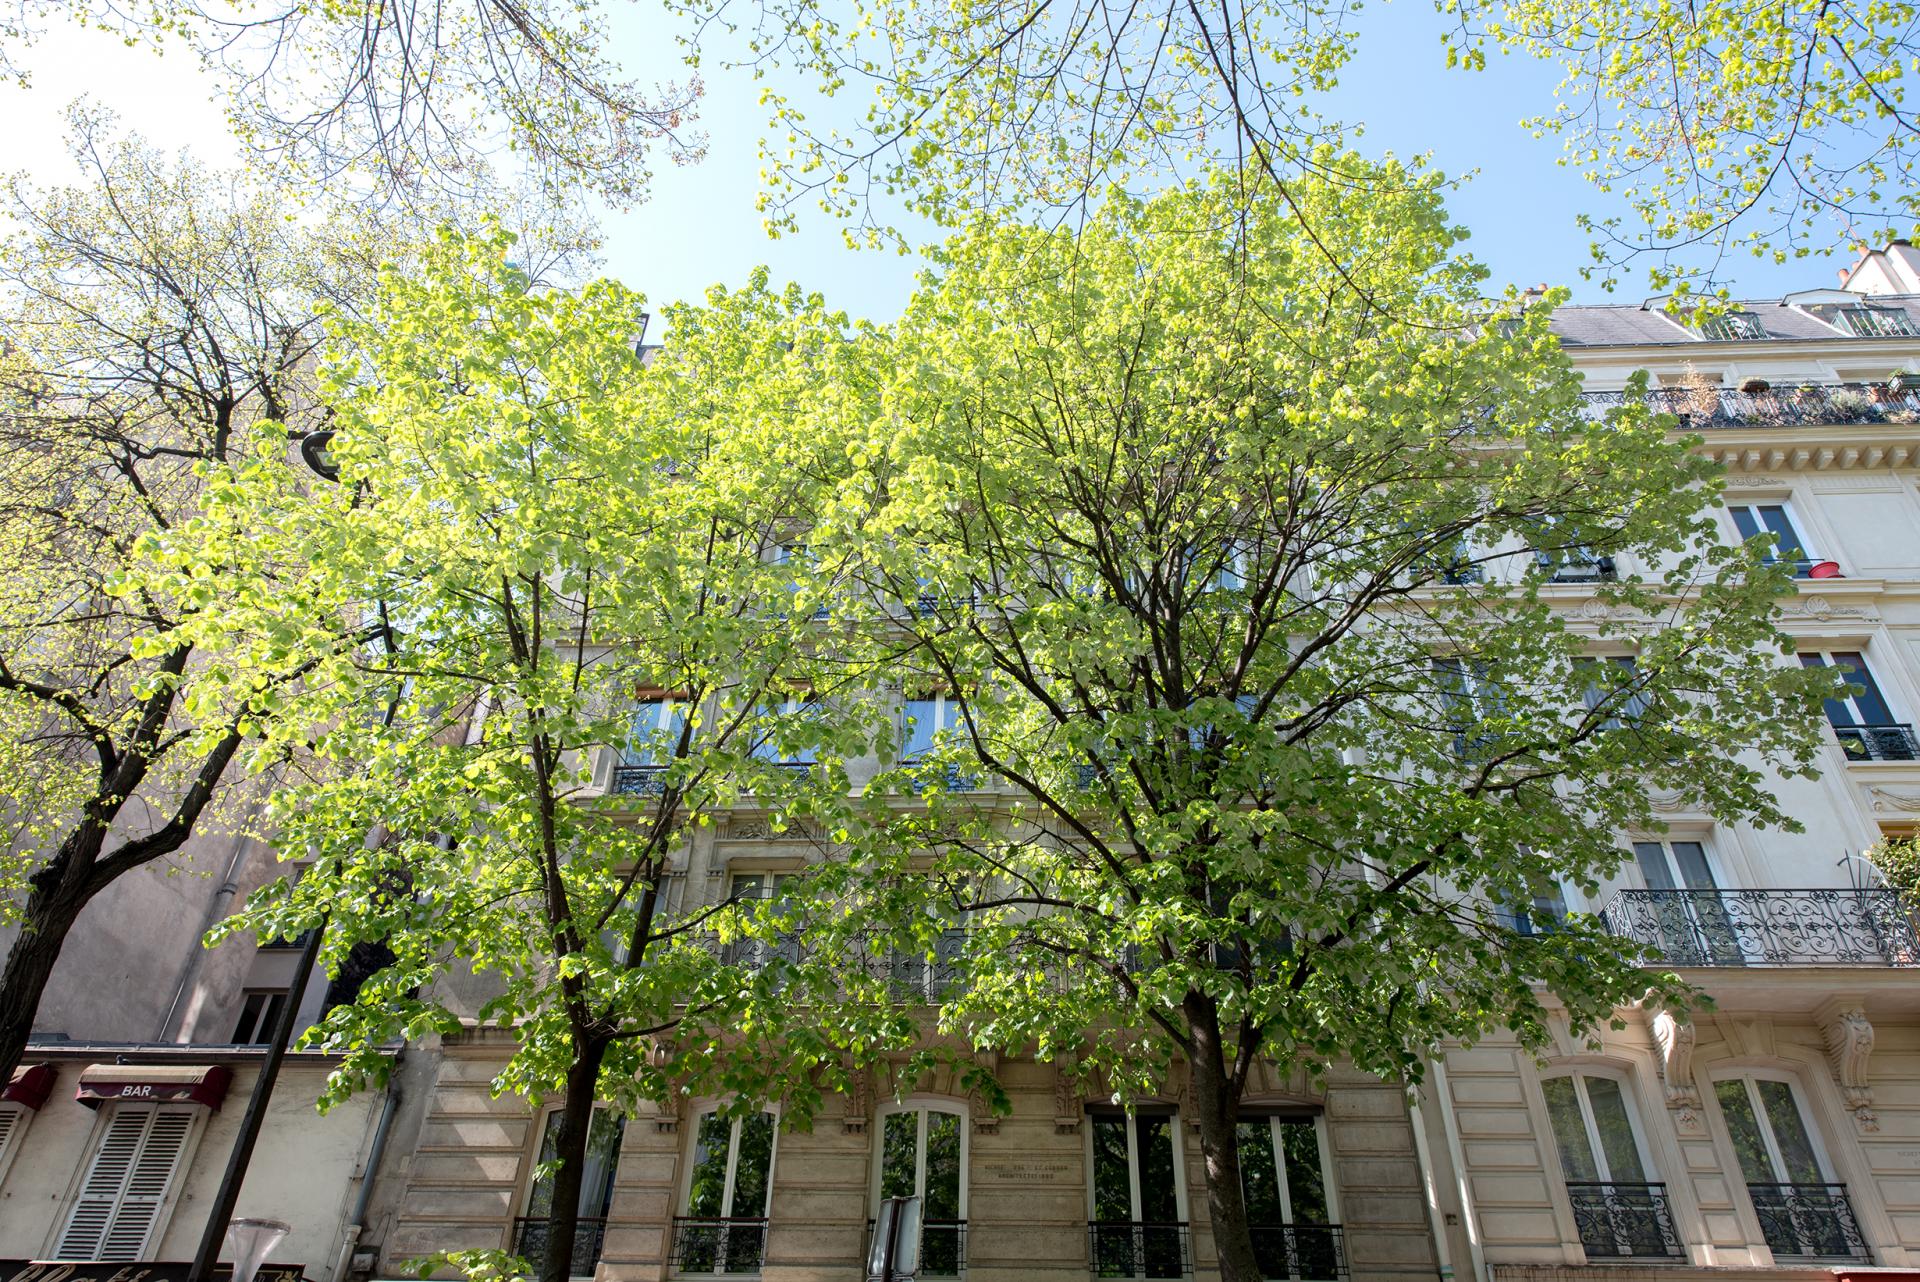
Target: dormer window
(1877,322)
(1732,327)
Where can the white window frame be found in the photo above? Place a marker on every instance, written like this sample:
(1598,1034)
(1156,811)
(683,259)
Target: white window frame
(1321,1139)
(1794,519)
(539,1138)
(684,1199)
(169,1197)
(1579,1075)
(924,1106)
(946,718)
(1748,1077)
(1826,655)
(1133,1159)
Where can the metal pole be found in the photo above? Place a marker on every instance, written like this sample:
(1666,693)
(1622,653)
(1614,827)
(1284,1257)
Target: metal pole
(223,1202)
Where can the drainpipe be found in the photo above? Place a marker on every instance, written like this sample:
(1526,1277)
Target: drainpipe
(1436,1217)
(216,911)
(357,1221)
(1476,1252)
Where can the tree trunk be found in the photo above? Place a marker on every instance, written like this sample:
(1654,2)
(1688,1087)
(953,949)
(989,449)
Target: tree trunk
(570,1147)
(52,907)
(1216,1108)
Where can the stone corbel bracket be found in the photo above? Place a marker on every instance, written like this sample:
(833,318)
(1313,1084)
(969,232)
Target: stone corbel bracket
(1849,1046)
(1066,1097)
(985,1120)
(1675,1037)
(859,1102)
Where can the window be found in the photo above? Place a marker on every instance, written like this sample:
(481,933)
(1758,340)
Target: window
(259,1016)
(1470,700)
(775,724)
(604,1133)
(1453,565)
(750,889)
(1694,923)
(1733,327)
(129,1183)
(915,978)
(1801,1211)
(800,556)
(1775,519)
(1876,322)
(1137,1230)
(653,739)
(1564,561)
(730,1177)
(1289,1195)
(13,1130)
(933,721)
(1541,913)
(1861,717)
(923,1154)
(1618,1212)
(1612,687)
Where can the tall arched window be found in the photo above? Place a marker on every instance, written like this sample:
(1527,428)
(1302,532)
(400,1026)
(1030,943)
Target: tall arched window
(1620,1212)
(1138,1226)
(1289,1193)
(923,1154)
(1804,1212)
(729,1182)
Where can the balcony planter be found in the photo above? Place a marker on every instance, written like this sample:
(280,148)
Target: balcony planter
(1753,385)
(1904,384)
(1825,570)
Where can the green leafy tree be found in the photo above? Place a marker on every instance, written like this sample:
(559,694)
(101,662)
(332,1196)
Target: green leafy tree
(569,559)
(1722,126)
(148,318)
(1272,725)
(419,96)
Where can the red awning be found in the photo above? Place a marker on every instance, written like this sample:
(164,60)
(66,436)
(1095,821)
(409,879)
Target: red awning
(30,1085)
(154,1084)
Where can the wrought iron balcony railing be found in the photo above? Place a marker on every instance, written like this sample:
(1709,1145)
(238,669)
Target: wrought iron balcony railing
(1308,1252)
(1828,403)
(714,1245)
(1879,743)
(1623,1221)
(1139,1249)
(1767,927)
(943,1248)
(639,781)
(589,1235)
(1808,1221)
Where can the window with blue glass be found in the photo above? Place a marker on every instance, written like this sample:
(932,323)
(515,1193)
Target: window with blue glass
(1861,717)
(1789,545)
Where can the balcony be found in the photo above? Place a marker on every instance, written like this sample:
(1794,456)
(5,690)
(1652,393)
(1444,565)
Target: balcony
(732,1245)
(589,1235)
(943,1248)
(1767,927)
(1139,1249)
(1596,570)
(1309,1252)
(639,781)
(1878,743)
(1623,1221)
(1829,404)
(1808,1221)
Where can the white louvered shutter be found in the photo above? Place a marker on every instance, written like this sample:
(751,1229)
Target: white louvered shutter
(132,1172)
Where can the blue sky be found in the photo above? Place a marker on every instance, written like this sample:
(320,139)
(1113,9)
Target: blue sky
(700,226)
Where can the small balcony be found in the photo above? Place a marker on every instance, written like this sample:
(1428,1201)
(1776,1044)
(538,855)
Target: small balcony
(530,1242)
(1139,1249)
(1878,743)
(1308,1252)
(1623,1221)
(1808,1221)
(1829,404)
(1767,927)
(717,1245)
(639,781)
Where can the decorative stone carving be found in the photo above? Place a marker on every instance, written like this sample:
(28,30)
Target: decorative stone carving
(859,1102)
(1849,1046)
(1066,1098)
(985,1120)
(1756,482)
(1669,801)
(1675,1038)
(1895,799)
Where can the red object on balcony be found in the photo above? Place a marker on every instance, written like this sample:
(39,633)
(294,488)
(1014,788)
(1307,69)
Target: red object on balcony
(1825,570)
